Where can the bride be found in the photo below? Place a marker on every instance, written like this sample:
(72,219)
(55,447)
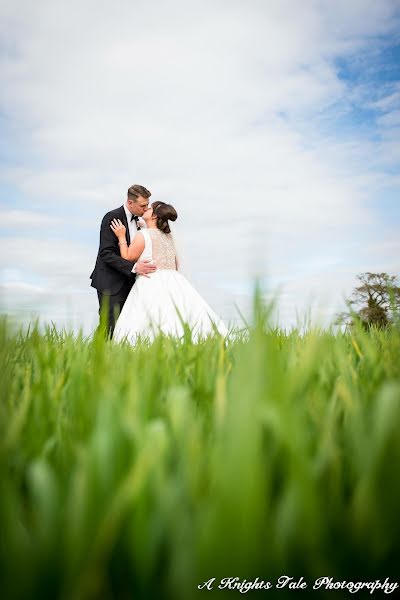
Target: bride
(164,300)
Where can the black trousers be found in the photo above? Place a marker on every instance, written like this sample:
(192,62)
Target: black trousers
(112,305)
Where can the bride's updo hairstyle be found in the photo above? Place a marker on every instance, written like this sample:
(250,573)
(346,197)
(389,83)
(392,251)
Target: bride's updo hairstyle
(164,213)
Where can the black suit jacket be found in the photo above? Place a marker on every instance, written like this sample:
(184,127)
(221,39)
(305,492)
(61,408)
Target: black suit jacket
(111,271)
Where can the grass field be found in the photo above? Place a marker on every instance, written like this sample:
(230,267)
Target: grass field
(142,473)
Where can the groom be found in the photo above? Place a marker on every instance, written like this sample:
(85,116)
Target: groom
(113,276)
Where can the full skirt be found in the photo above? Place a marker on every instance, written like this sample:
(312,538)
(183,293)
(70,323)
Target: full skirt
(162,303)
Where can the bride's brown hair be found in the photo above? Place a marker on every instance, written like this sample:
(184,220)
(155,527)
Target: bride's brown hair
(164,213)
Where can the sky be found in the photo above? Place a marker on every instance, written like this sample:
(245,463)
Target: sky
(272,126)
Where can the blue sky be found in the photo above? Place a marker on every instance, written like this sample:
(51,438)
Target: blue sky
(274,132)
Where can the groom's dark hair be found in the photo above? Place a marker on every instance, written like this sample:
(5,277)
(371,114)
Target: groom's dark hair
(138,190)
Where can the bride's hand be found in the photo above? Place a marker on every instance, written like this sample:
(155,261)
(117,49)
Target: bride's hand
(118,228)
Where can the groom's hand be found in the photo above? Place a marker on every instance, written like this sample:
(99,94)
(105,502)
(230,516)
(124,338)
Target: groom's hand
(144,267)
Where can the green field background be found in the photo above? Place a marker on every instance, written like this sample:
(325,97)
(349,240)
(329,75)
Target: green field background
(139,473)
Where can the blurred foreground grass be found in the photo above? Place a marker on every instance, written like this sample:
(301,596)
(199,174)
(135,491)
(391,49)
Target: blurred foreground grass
(141,473)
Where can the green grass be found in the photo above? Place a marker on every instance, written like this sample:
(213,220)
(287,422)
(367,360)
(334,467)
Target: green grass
(140,473)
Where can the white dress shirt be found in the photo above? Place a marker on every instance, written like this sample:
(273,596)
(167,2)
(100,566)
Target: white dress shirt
(131,224)
(132,227)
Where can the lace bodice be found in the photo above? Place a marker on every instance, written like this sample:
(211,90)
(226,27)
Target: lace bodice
(159,246)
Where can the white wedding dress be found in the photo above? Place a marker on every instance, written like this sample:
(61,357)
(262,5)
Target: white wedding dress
(165,299)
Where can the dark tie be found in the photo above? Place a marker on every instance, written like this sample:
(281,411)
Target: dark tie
(136,218)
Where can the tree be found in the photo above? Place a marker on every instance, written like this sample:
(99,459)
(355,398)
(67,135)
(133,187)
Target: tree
(375,301)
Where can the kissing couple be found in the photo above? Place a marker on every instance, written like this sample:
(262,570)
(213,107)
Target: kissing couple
(137,275)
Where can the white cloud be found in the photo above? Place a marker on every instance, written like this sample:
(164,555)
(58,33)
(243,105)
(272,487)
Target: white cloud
(390,119)
(60,264)
(22,218)
(49,279)
(389,101)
